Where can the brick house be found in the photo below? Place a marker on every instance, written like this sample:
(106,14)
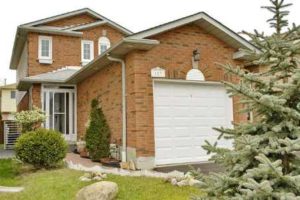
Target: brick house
(160,89)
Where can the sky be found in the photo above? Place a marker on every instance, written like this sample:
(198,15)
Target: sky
(136,15)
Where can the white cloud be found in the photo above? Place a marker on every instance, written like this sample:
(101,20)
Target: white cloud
(135,15)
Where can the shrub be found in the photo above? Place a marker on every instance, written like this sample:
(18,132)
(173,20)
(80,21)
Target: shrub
(42,148)
(97,134)
(30,120)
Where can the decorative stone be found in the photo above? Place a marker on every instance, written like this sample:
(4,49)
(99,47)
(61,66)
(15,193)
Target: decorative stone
(95,176)
(173,181)
(132,165)
(104,190)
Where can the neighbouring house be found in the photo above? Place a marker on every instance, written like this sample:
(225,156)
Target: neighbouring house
(160,89)
(7,110)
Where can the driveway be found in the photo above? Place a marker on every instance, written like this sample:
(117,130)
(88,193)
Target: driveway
(204,167)
(6,153)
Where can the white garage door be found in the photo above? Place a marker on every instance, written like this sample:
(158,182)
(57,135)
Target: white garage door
(184,114)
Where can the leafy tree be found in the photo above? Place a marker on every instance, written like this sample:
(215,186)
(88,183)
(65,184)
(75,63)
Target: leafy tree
(263,163)
(98,133)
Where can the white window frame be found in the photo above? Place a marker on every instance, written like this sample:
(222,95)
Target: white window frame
(103,40)
(45,59)
(91,43)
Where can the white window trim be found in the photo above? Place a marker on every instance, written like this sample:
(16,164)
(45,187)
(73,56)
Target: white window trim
(91,43)
(45,59)
(103,40)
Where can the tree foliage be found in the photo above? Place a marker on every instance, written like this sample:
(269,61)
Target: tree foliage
(263,163)
(30,120)
(97,134)
(42,148)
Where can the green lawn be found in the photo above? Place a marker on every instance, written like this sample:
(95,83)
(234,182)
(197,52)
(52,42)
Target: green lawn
(62,184)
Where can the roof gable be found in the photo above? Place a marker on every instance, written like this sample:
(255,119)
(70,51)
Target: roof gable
(61,25)
(66,19)
(207,23)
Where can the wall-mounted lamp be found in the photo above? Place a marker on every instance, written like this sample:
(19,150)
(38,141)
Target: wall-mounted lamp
(196,55)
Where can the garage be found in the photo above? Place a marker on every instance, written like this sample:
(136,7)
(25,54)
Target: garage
(184,114)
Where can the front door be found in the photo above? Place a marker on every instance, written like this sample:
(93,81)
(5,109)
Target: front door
(59,106)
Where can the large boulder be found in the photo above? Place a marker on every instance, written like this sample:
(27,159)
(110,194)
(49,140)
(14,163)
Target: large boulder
(103,190)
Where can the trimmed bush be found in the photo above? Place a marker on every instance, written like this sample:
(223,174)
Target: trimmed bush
(41,148)
(98,134)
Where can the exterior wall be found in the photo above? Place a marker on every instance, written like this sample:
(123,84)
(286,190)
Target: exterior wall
(1,131)
(66,50)
(75,20)
(173,54)
(8,105)
(95,33)
(22,68)
(105,85)
(24,103)
(35,96)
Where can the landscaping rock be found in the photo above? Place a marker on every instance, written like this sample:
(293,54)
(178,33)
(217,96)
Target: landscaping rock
(95,176)
(104,190)
(176,178)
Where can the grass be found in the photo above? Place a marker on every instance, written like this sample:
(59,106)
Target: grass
(63,184)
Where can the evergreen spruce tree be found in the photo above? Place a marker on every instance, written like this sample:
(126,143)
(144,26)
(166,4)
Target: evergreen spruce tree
(97,134)
(263,163)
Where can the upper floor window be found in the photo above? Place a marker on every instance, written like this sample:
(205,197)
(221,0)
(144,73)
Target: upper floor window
(103,44)
(87,51)
(13,94)
(45,49)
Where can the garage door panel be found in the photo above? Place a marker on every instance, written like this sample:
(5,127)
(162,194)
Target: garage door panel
(184,115)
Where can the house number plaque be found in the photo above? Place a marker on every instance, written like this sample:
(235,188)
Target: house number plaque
(158,72)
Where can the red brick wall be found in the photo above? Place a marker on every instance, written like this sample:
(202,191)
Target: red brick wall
(75,20)
(174,54)
(105,86)
(66,50)
(36,95)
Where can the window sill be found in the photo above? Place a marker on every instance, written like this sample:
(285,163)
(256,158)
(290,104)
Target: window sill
(45,61)
(85,63)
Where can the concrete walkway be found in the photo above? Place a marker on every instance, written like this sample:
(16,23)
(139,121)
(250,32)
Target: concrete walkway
(6,154)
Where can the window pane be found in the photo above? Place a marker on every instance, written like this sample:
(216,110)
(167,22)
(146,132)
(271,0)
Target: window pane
(87,51)
(45,47)
(59,122)
(67,113)
(59,99)
(51,110)
(103,48)
(13,94)
(73,113)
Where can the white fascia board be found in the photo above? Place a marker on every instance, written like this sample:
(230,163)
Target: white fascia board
(61,16)
(87,26)
(52,31)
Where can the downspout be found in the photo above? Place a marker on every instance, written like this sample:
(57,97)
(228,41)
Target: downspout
(124,123)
